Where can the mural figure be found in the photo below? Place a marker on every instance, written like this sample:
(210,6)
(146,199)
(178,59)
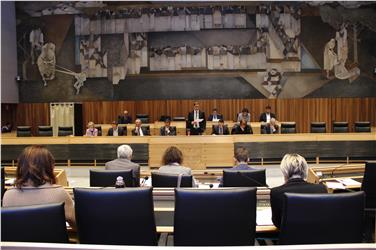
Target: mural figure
(46,62)
(36,39)
(272,82)
(342,46)
(330,57)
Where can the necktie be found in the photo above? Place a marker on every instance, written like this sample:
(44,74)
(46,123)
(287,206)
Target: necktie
(196,117)
(220,131)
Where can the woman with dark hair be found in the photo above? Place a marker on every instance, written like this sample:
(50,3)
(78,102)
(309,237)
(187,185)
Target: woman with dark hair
(172,160)
(35,183)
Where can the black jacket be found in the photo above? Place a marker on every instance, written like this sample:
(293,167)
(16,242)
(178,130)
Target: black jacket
(145,131)
(296,185)
(236,130)
(263,117)
(216,130)
(162,131)
(201,116)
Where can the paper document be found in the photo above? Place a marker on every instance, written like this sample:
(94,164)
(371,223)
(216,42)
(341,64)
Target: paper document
(264,216)
(349,182)
(215,120)
(335,185)
(10,181)
(144,183)
(199,120)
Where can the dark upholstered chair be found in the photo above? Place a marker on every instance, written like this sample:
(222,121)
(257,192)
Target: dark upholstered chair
(2,182)
(322,218)
(362,127)
(65,131)
(178,118)
(39,223)
(45,131)
(340,127)
(143,117)
(122,216)
(288,127)
(369,184)
(318,127)
(215,217)
(24,131)
(107,178)
(99,128)
(124,127)
(170,180)
(164,117)
(244,178)
(262,129)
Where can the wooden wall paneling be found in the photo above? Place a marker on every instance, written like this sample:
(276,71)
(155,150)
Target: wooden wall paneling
(302,111)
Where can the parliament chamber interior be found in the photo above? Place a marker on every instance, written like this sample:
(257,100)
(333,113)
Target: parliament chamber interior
(144,124)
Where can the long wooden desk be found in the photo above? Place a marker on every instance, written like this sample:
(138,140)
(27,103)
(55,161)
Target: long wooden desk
(200,151)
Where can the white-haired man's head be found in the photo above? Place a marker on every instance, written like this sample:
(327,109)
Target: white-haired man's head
(124,152)
(294,166)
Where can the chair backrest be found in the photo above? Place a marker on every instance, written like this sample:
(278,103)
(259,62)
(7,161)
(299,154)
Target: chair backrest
(340,127)
(318,127)
(107,178)
(288,127)
(164,117)
(369,184)
(45,131)
(143,117)
(262,129)
(244,178)
(124,127)
(178,118)
(38,223)
(65,130)
(99,128)
(2,182)
(215,217)
(362,126)
(123,216)
(23,131)
(322,218)
(170,180)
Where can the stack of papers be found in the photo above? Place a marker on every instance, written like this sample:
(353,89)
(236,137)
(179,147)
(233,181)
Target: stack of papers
(349,182)
(335,185)
(264,216)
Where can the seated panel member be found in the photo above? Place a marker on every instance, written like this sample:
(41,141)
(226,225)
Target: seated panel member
(271,127)
(196,120)
(167,129)
(215,116)
(244,115)
(91,130)
(126,118)
(220,129)
(242,128)
(123,162)
(115,130)
(294,169)
(140,130)
(267,115)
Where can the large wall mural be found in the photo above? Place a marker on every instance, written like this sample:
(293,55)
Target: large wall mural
(260,43)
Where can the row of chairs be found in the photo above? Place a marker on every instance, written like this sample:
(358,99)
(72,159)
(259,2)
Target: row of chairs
(222,217)
(286,128)
(231,178)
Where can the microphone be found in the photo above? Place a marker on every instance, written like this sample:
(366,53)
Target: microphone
(251,179)
(334,169)
(144,181)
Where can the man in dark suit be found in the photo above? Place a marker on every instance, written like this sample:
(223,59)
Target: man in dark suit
(167,129)
(115,130)
(294,168)
(125,118)
(139,130)
(267,115)
(220,129)
(242,128)
(271,127)
(215,116)
(196,120)
(123,162)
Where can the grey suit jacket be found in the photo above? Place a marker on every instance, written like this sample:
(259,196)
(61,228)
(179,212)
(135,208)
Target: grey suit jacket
(122,164)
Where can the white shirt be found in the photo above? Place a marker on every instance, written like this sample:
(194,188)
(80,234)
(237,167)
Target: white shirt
(268,117)
(196,116)
(115,132)
(139,130)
